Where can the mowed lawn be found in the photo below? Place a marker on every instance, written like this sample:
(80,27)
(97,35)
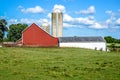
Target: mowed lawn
(58,64)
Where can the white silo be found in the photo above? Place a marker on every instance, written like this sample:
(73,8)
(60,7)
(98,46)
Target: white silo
(46,27)
(57,23)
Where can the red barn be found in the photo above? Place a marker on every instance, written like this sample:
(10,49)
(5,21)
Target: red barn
(36,37)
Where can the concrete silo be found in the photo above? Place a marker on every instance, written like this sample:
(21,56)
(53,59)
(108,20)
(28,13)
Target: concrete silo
(57,23)
(46,27)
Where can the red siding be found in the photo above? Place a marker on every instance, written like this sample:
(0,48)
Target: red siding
(35,36)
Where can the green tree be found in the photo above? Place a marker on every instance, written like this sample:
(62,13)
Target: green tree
(3,28)
(109,39)
(15,31)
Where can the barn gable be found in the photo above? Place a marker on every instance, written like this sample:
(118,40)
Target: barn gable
(35,36)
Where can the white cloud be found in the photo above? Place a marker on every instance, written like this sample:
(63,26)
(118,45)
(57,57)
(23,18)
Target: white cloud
(97,25)
(13,21)
(84,21)
(45,20)
(90,10)
(67,18)
(61,7)
(113,21)
(78,21)
(118,21)
(68,25)
(91,17)
(49,15)
(56,6)
(109,12)
(73,22)
(69,21)
(36,9)
(108,21)
(28,21)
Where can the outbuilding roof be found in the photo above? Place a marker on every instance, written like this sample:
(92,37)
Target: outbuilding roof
(81,39)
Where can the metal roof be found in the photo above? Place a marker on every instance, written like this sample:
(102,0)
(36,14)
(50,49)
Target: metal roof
(81,39)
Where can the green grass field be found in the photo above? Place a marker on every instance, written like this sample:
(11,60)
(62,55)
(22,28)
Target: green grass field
(58,64)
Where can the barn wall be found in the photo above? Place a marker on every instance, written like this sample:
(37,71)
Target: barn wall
(93,45)
(35,36)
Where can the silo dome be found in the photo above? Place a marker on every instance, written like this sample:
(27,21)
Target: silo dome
(46,27)
(57,10)
(45,24)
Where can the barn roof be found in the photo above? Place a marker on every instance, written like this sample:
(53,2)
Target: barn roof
(81,39)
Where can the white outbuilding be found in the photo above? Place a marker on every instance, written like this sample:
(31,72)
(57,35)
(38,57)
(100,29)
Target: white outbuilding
(96,43)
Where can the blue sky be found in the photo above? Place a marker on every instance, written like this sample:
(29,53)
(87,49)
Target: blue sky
(80,17)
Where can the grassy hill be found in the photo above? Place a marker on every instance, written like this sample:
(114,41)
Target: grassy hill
(58,64)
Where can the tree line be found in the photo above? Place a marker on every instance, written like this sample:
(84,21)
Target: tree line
(14,31)
(3,28)
(110,39)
